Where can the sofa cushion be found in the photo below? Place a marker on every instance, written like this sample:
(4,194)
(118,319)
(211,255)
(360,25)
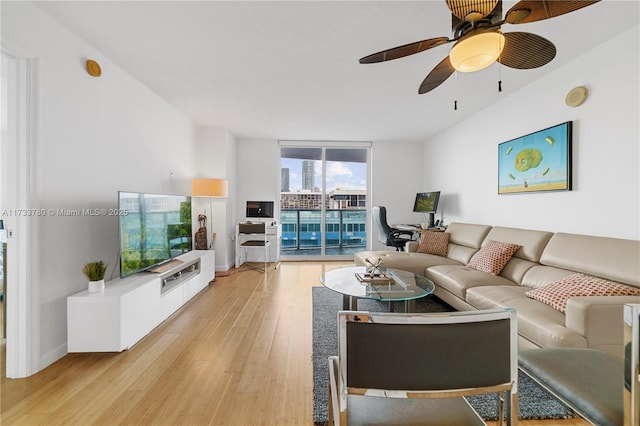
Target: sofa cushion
(532,242)
(467,234)
(540,275)
(405,261)
(557,293)
(610,258)
(516,269)
(493,256)
(457,279)
(461,254)
(464,240)
(434,243)
(537,322)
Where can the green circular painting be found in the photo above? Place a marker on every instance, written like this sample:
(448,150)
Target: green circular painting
(528,158)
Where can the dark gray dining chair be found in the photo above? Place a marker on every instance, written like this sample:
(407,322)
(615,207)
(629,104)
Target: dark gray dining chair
(397,369)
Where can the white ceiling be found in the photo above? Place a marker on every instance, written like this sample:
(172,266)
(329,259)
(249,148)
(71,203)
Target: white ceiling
(289,70)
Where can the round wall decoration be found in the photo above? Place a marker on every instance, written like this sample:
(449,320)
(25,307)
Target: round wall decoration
(93,68)
(576,96)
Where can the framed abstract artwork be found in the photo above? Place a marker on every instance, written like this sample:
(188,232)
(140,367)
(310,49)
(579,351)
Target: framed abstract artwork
(539,161)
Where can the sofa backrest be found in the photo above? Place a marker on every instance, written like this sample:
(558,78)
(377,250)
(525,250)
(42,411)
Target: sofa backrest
(465,239)
(610,258)
(532,244)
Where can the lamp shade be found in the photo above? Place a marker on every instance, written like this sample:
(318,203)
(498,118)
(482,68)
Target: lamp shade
(209,187)
(477,51)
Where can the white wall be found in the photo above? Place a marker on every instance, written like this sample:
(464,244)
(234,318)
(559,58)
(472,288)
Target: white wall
(215,158)
(396,178)
(95,136)
(258,168)
(231,150)
(605,196)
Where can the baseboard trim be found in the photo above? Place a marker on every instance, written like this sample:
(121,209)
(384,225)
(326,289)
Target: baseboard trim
(52,356)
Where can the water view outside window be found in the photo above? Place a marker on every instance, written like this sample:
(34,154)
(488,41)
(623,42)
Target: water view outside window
(323,202)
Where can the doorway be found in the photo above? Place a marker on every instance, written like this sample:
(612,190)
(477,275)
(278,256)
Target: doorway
(17,153)
(4,107)
(323,200)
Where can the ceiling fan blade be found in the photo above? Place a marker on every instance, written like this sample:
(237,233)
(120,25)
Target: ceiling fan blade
(462,8)
(437,76)
(405,50)
(537,10)
(526,50)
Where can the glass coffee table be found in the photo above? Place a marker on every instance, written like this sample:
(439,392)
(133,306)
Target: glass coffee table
(403,286)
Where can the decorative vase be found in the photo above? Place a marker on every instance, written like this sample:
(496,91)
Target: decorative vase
(96,286)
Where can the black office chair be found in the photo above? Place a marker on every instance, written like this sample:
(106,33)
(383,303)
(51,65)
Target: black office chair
(387,235)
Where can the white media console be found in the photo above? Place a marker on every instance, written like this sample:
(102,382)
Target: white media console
(129,308)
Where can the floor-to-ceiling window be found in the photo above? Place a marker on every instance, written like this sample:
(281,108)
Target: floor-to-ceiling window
(323,199)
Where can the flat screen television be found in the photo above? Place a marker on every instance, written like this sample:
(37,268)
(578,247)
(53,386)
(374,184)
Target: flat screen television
(259,209)
(426,202)
(154,228)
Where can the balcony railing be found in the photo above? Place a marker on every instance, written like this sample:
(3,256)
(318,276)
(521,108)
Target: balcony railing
(302,229)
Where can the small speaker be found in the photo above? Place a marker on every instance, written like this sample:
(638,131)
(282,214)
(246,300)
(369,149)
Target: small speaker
(576,96)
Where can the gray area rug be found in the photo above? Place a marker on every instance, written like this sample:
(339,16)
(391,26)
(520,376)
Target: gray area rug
(534,401)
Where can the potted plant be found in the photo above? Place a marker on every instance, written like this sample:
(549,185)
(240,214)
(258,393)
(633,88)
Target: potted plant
(94,271)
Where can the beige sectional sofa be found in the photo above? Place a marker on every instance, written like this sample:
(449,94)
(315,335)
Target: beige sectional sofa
(543,258)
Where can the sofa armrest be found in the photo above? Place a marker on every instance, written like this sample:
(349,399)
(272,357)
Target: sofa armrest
(599,320)
(411,246)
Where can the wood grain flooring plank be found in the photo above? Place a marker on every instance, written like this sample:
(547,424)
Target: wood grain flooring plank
(239,353)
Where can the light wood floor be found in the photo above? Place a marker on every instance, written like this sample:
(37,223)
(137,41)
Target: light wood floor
(238,354)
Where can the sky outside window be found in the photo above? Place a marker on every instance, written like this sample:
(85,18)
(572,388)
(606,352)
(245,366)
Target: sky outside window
(340,174)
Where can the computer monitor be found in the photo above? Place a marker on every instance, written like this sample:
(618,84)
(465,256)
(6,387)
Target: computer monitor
(427,203)
(259,209)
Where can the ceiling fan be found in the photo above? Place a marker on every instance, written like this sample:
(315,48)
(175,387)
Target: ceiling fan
(479,41)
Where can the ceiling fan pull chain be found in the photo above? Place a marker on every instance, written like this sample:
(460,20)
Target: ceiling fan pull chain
(455,101)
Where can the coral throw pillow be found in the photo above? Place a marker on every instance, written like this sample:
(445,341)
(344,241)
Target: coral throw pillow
(434,243)
(493,256)
(557,293)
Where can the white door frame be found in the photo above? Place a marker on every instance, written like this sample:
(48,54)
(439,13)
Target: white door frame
(19,96)
(324,146)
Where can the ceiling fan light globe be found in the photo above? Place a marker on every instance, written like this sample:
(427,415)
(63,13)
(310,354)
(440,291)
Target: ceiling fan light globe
(476,52)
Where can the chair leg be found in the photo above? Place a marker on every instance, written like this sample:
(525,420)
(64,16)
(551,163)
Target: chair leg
(334,397)
(500,409)
(331,421)
(512,412)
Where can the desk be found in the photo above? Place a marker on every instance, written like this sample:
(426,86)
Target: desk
(415,229)
(407,227)
(274,235)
